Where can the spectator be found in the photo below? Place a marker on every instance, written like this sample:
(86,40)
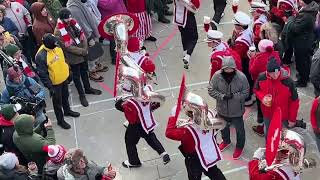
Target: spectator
(53,6)
(274,89)
(10,169)
(230,88)
(20,60)
(7,22)
(19,85)
(258,64)
(56,155)
(8,114)
(79,168)
(301,36)
(161,8)
(92,5)
(108,8)
(43,23)
(29,142)
(54,74)
(89,25)
(8,38)
(75,46)
(315,119)
(272,31)
(22,19)
(315,73)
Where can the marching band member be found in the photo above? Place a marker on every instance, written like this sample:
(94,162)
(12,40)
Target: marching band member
(184,17)
(241,41)
(220,49)
(138,111)
(198,144)
(260,17)
(283,10)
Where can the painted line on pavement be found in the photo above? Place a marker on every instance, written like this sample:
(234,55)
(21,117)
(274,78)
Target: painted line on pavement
(74,126)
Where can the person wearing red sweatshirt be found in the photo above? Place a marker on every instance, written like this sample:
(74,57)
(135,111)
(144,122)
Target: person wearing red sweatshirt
(258,64)
(186,22)
(220,50)
(315,119)
(274,89)
(198,146)
(141,125)
(241,41)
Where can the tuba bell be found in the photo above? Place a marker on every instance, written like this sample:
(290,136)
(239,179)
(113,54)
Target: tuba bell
(188,5)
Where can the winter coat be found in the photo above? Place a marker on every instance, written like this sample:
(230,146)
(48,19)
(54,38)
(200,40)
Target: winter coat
(30,143)
(258,63)
(109,7)
(284,95)
(73,53)
(84,17)
(50,170)
(301,27)
(19,15)
(13,174)
(92,5)
(239,87)
(315,69)
(271,31)
(53,6)
(9,26)
(41,24)
(315,115)
(7,130)
(32,92)
(91,171)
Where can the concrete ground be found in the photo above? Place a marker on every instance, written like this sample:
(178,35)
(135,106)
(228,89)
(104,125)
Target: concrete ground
(100,133)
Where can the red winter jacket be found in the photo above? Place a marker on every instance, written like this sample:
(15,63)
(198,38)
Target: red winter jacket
(242,49)
(315,115)
(284,95)
(258,63)
(180,134)
(255,174)
(216,60)
(136,6)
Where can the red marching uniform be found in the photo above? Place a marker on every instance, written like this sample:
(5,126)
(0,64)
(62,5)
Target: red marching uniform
(243,41)
(217,55)
(257,27)
(283,173)
(278,13)
(138,8)
(315,115)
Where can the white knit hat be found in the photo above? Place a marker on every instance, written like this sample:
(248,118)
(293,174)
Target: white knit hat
(8,160)
(265,45)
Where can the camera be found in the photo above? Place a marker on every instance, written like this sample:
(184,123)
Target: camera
(28,107)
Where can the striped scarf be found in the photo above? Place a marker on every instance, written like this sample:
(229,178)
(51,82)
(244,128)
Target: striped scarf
(25,68)
(68,40)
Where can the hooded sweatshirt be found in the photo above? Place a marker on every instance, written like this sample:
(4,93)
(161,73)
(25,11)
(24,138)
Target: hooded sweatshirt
(41,24)
(29,142)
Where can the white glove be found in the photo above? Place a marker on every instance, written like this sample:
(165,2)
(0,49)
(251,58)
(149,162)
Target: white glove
(92,42)
(259,153)
(173,110)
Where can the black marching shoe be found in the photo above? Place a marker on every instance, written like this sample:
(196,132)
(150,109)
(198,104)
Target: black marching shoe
(164,20)
(300,83)
(71,113)
(126,164)
(151,38)
(83,101)
(166,159)
(64,125)
(93,91)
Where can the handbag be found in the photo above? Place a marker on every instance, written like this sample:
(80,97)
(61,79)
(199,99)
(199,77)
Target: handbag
(95,52)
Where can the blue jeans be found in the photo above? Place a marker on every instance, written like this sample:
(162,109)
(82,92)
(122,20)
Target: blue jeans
(267,124)
(40,117)
(238,124)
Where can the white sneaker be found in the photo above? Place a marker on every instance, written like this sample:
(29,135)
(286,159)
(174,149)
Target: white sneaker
(186,59)
(126,124)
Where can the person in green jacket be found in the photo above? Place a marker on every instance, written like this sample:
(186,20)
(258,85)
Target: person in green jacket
(30,141)
(54,7)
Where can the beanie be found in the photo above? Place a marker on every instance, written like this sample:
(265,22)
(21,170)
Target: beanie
(56,153)
(228,62)
(133,44)
(148,66)
(273,65)
(8,161)
(11,49)
(265,45)
(8,111)
(49,41)
(307,1)
(14,72)
(64,13)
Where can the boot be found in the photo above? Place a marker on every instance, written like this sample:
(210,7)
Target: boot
(93,91)
(94,76)
(258,130)
(83,101)
(301,83)
(64,125)
(151,38)
(71,113)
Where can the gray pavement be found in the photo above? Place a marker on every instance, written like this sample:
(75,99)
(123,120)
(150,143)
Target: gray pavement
(100,133)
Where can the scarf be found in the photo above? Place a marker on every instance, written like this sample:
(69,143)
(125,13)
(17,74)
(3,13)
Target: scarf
(25,67)
(69,39)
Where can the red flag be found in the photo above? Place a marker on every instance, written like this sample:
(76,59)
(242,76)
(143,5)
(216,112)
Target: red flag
(181,93)
(273,138)
(116,75)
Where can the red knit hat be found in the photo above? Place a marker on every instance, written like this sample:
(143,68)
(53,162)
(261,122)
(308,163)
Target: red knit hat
(133,44)
(148,66)
(55,152)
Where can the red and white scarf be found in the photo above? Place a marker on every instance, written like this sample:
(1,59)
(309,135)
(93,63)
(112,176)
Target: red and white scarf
(25,68)
(67,39)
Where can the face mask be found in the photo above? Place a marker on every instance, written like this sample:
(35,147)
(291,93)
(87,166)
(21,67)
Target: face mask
(83,1)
